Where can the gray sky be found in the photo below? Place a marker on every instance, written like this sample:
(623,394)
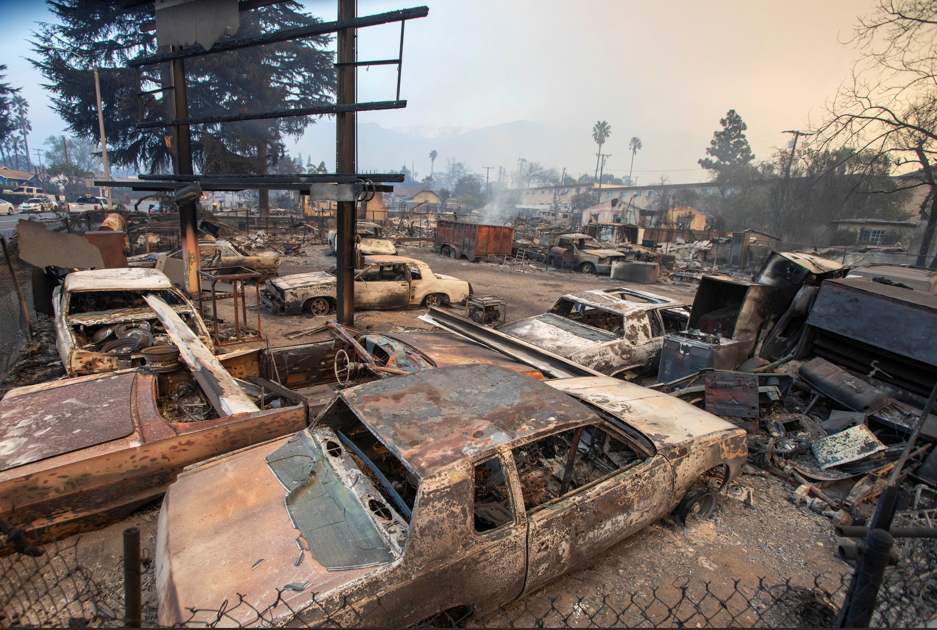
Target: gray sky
(663,71)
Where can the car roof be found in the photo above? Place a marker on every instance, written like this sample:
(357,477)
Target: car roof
(382,259)
(608,300)
(132,279)
(435,418)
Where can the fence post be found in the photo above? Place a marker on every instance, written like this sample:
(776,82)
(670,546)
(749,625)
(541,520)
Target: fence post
(19,291)
(133,609)
(866,581)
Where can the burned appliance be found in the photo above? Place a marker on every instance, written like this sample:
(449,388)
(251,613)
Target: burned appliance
(487,310)
(884,332)
(688,352)
(724,324)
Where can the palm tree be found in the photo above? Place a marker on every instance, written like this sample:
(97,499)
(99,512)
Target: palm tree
(432,157)
(21,110)
(635,145)
(600,133)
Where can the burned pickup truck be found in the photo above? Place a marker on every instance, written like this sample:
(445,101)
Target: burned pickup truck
(617,332)
(458,488)
(370,240)
(386,282)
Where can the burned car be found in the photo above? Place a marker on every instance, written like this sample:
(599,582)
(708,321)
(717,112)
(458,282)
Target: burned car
(386,282)
(584,253)
(112,442)
(219,253)
(370,240)
(461,487)
(102,322)
(617,332)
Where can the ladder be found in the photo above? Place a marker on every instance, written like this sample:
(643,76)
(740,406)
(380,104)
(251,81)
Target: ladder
(518,258)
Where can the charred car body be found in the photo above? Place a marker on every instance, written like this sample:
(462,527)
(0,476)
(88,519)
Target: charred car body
(485,491)
(370,240)
(102,322)
(617,332)
(83,452)
(386,282)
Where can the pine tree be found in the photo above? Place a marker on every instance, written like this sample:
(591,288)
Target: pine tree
(7,124)
(730,148)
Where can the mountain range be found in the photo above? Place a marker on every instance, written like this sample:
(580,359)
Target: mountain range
(383,149)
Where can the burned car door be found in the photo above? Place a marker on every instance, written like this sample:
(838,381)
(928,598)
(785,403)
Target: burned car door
(613,487)
(383,286)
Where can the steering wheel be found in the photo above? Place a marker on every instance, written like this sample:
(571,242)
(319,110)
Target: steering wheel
(346,370)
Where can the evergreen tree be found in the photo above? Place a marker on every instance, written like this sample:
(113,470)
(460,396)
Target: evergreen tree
(285,75)
(730,149)
(7,124)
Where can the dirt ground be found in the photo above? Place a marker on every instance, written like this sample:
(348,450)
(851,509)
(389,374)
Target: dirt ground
(770,539)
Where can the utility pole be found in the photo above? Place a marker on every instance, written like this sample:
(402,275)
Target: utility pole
(602,157)
(68,169)
(487,170)
(787,175)
(345,164)
(188,221)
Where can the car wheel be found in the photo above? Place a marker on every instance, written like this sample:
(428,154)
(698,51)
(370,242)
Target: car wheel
(453,254)
(587,268)
(435,300)
(319,307)
(698,503)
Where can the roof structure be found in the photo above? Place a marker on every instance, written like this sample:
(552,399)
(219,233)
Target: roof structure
(875,222)
(435,418)
(10,173)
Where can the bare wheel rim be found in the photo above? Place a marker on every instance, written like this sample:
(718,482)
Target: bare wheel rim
(452,253)
(588,268)
(433,300)
(319,307)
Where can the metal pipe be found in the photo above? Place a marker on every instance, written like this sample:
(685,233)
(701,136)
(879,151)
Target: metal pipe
(855,531)
(133,600)
(107,171)
(19,291)
(345,163)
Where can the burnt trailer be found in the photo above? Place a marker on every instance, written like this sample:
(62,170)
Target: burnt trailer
(474,240)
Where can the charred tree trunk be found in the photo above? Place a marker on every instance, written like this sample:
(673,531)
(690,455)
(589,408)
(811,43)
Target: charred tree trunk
(929,233)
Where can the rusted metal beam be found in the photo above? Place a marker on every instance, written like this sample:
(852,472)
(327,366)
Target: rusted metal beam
(318,110)
(188,218)
(344,23)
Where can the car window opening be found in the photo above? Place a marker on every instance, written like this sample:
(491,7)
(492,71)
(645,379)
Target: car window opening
(398,487)
(415,273)
(542,465)
(589,315)
(675,319)
(493,506)
(103,301)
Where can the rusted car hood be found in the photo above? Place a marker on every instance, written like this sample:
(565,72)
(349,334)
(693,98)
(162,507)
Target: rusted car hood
(557,334)
(299,280)
(39,424)
(665,420)
(376,246)
(604,253)
(224,530)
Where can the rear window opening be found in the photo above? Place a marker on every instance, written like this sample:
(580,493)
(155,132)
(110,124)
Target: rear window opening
(589,315)
(102,301)
(545,475)
(385,471)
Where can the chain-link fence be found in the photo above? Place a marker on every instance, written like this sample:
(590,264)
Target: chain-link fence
(54,588)
(13,322)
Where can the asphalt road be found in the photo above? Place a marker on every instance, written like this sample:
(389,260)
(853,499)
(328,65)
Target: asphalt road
(8,221)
